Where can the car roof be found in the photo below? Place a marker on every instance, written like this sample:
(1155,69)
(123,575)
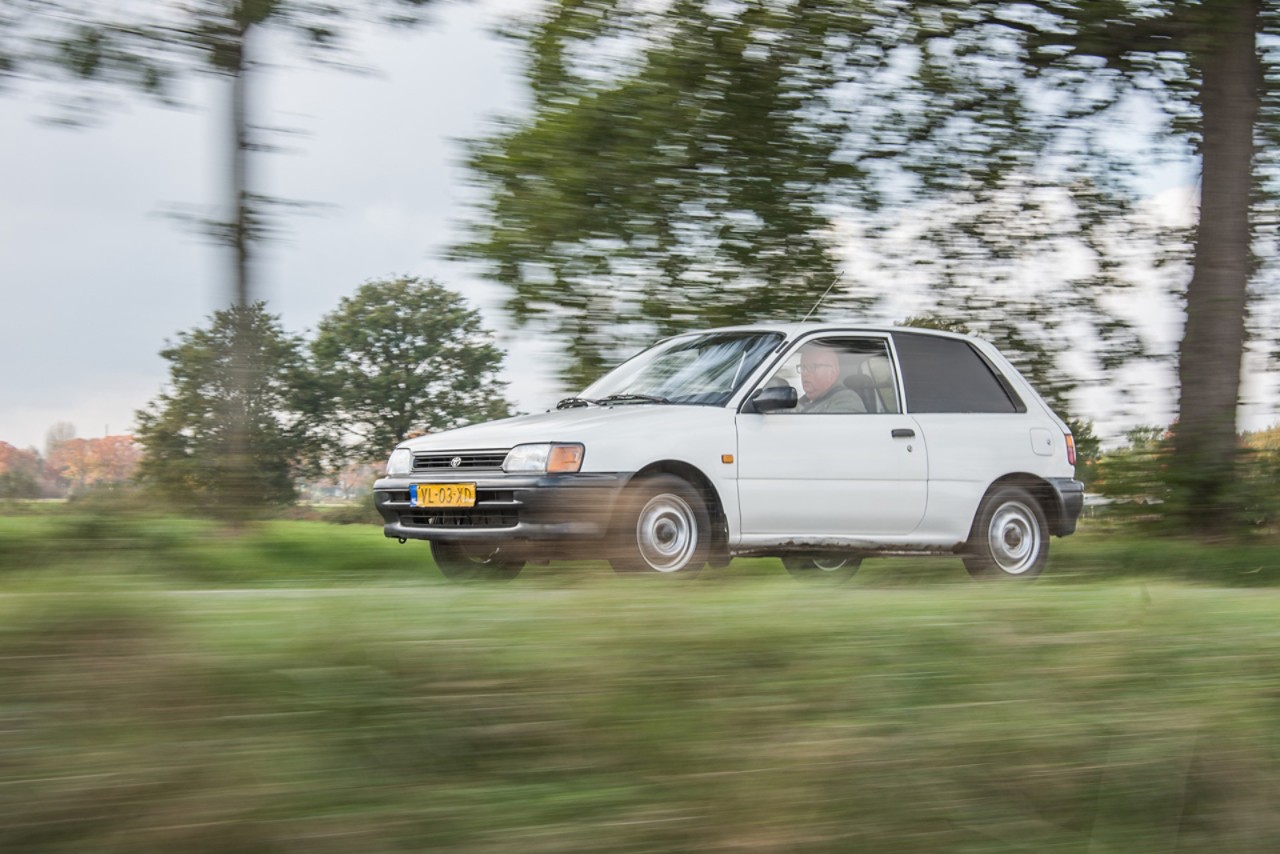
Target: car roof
(795,330)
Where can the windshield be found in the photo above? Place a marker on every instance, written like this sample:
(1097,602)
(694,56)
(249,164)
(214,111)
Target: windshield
(698,369)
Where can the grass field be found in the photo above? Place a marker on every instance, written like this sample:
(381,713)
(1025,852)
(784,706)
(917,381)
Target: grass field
(309,687)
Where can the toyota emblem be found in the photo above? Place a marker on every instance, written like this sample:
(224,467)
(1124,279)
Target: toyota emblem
(455,462)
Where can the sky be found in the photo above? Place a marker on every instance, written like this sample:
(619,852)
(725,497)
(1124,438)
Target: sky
(95,278)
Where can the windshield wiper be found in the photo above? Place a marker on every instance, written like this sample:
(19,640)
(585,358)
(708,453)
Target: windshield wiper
(633,398)
(574,402)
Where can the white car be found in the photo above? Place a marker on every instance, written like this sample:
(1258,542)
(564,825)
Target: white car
(817,443)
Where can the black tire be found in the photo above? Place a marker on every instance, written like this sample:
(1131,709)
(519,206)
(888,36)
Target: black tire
(829,569)
(474,562)
(1010,538)
(663,527)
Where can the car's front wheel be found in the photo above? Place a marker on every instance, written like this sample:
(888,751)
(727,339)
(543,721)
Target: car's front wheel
(1010,537)
(831,569)
(663,527)
(474,562)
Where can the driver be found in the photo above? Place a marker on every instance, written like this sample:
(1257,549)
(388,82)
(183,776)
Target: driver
(820,377)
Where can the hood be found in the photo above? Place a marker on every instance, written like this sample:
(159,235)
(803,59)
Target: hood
(559,425)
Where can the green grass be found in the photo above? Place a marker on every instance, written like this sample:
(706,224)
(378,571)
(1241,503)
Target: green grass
(188,552)
(639,717)
(309,687)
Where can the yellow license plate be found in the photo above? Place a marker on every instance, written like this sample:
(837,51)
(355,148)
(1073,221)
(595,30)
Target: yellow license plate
(442,495)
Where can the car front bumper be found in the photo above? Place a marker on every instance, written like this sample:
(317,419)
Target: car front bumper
(508,508)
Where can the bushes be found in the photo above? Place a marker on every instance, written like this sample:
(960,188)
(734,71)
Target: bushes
(69,540)
(1143,487)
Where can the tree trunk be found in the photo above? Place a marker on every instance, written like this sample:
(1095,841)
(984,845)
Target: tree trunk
(240,225)
(239,478)
(1213,340)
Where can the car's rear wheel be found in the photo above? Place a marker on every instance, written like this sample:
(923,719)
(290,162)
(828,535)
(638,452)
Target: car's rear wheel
(663,527)
(1010,537)
(832,568)
(474,561)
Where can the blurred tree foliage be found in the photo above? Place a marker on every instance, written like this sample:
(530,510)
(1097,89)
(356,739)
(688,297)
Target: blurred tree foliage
(1257,479)
(402,355)
(78,464)
(700,162)
(697,161)
(1135,476)
(1141,479)
(184,432)
(21,472)
(673,173)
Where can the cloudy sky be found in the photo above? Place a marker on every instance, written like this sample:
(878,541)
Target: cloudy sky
(95,278)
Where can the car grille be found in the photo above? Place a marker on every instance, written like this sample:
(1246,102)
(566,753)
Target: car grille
(466,461)
(494,509)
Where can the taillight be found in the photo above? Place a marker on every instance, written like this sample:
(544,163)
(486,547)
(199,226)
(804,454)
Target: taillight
(1071,449)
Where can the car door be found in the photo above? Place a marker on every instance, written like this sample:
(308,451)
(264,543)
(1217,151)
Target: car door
(813,473)
(979,427)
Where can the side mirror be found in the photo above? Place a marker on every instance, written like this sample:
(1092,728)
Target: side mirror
(771,399)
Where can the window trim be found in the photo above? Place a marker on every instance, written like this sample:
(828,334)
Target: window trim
(790,346)
(1002,382)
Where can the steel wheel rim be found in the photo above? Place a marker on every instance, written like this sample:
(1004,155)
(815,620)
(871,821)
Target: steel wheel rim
(830,564)
(1014,538)
(667,533)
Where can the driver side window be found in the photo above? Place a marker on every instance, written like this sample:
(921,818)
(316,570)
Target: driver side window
(840,376)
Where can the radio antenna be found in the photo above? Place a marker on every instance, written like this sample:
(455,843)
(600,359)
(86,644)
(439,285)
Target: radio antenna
(834,280)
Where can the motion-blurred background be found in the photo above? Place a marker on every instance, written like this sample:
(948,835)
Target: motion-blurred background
(247,246)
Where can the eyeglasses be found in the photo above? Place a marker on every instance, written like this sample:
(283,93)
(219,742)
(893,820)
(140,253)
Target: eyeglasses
(813,369)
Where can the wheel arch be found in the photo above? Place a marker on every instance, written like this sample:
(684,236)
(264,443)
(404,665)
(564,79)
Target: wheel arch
(1043,492)
(695,477)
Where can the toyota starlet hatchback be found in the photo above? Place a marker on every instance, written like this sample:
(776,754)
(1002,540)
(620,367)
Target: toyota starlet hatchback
(820,444)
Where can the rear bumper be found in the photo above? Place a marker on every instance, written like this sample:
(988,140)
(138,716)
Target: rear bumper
(508,508)
(1070,499)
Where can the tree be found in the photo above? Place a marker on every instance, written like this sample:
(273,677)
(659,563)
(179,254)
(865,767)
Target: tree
(184,432)
(1208,71)
(83,463)
(683,185)
(700,163)
(62,431)
(968,138)
(401,355)
(20,472)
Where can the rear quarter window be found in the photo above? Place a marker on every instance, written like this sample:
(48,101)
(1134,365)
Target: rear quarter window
(949,375)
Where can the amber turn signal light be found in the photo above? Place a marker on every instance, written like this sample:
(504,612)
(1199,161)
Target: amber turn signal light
(565,458)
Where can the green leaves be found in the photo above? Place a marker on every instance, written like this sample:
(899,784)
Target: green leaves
(399,356)
(704,163)
(673,173)
(190,431)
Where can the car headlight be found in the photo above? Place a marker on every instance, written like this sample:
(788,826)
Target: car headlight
(549,457)
(401,461)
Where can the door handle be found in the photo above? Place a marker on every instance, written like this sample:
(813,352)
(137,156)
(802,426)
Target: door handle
(904,433)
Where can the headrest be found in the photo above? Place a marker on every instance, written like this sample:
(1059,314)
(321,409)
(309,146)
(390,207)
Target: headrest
(880,369)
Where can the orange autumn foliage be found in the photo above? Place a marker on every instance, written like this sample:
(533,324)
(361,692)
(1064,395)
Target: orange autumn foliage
(88,462)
